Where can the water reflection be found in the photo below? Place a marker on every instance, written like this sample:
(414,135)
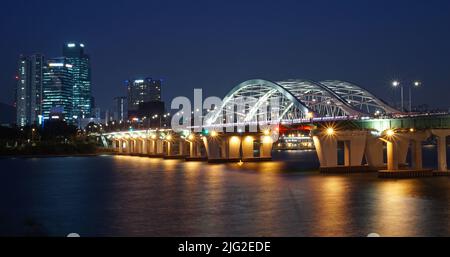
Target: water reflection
(135,196)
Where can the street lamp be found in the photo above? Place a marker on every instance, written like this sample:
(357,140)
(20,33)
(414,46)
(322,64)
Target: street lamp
(396,83)
(415,84)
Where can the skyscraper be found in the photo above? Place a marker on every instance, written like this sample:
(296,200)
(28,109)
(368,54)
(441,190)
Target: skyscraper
(29,89)
(120,108)
(74,54)
(58,86)
(141,91)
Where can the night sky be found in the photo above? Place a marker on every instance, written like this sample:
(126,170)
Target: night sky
(215,45)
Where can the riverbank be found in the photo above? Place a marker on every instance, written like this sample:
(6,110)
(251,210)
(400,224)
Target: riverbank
(28,156)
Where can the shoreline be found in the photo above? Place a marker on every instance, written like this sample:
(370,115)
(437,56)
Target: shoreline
(29,156)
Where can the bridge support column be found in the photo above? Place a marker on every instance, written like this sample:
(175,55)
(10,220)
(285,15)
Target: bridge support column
(151,147)
(138,146)
(128,146)
(159,146)
(182,151)
(392,155)
(117,148)
(354,148)
(326,148)
(397,149)
(212,146)
(234,147)
(193,147)
(416,154)
(169,148)
(374,152)
(265,150)
(144,149)
(441,135)
(248,147)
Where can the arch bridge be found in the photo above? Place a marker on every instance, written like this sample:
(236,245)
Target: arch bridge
(341,113)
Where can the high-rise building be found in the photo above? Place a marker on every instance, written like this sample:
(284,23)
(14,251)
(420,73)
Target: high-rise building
(75,55)
(141,91)
(120,108)
(29,89)
(58,86)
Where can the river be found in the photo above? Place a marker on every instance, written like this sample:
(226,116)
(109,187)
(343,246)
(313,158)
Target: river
(135,196)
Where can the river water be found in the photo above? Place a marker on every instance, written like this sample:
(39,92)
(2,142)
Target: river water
(134,196)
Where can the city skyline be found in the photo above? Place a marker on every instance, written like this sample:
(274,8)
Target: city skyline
(213,46)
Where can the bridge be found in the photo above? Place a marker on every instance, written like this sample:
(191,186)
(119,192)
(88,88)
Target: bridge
(246,124)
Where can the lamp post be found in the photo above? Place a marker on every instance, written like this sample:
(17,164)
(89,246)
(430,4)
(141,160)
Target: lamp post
(396,83)
(415,84)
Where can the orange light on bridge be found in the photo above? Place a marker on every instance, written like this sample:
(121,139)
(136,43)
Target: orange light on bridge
(390,133)
(214,133)
(267,140)
(191,137)
(169,137)
(330,131)
(249,139)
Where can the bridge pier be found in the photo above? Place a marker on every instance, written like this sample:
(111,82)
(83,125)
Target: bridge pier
(213,148)
(234,147)
(374,152)
(441,135)
(248,148)
(151,149)
(182,148)
(195,149)
(159,147)
(354,148)
(397,149)
(265,150)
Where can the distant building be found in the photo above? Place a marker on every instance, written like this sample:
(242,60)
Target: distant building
(75,55)
(120,112)
(58,86)
(29,89)
(141,91)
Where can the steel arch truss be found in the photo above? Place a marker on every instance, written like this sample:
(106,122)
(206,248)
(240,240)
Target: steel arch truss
(359,98)
(258,101)
(319,99)
(262,100)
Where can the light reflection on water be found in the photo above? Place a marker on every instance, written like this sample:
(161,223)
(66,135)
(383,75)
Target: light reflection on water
(133,196)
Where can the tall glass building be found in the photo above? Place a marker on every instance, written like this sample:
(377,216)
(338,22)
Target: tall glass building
(58,87)
(29,89)
(74,54)
(141,91)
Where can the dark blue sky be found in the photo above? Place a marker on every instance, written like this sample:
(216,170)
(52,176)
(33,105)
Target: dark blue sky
(215,45)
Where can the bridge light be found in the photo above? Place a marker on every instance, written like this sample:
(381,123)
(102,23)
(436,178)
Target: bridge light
(191,137)
(153,136)
(309,115)
(266,132)
(411,130)
(330,131)
(417,83)
(390,133)
(169,137)
(249,139)
(267,140)
(395,83)
(234,139)
(214,133)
